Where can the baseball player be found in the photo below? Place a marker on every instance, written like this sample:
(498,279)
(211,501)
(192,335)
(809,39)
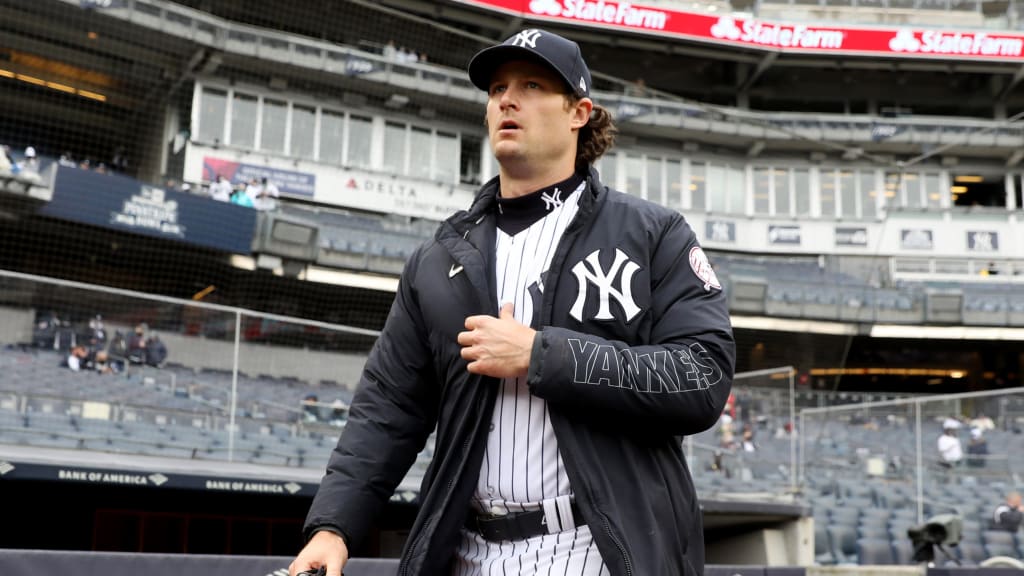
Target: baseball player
(561,337)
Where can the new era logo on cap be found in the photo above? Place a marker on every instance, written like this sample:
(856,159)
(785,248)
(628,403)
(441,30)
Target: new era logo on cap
(561,54)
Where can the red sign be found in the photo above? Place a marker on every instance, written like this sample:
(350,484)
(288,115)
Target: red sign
(772,36)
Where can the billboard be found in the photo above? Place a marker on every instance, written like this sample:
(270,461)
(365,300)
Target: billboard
(748,32)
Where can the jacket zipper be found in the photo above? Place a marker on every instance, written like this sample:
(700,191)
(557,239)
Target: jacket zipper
(618,544)
(448,490)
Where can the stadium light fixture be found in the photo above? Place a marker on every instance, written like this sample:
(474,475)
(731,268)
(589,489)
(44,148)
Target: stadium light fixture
(968,179)
(958,189)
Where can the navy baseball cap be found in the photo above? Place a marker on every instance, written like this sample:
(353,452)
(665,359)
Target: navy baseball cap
(560,54)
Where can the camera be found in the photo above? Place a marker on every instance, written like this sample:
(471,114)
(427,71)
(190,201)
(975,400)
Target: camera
(941,530)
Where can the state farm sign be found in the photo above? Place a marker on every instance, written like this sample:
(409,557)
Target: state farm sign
(770,36)
(603,12)
(779,35)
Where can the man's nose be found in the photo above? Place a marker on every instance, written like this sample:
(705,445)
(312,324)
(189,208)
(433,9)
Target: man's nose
(509,98)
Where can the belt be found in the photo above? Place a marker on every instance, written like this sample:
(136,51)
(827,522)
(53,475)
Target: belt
(517,525)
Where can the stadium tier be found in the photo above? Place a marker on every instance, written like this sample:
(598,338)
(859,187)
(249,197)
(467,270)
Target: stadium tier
(206,207)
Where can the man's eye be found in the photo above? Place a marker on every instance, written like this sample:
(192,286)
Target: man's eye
(532,85)
(497,89)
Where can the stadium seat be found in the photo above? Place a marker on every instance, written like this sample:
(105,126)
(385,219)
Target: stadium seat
(903,551)
(969,553)
(822,547)
(843,541)
(874,551)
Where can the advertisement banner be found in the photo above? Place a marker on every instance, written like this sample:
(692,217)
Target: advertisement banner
(916,239)
(720,231)
(851,236)
(287,181)
(125,204)
(982,241)
(784,235)
(914,42)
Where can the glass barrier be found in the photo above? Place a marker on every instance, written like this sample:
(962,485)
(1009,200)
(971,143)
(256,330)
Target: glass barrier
(90,368)
(877,469)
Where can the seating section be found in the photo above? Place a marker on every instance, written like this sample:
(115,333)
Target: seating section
(861,513)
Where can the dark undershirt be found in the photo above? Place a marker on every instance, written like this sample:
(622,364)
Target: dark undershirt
(518,214)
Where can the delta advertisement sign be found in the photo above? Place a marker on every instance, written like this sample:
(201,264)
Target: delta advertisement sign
(913,42)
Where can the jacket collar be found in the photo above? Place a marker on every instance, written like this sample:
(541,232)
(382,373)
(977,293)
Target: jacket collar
(485,202)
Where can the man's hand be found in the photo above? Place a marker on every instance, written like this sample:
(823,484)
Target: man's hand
(498,347)
(323,549)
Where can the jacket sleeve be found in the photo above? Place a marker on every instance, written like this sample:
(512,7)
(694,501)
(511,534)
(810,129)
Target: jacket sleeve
(677,382)
(391,415)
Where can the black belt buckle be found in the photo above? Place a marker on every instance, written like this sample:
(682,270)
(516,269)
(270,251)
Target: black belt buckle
(513,526)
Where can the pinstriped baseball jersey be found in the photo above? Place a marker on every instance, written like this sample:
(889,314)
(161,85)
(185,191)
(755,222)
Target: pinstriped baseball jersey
(522,466)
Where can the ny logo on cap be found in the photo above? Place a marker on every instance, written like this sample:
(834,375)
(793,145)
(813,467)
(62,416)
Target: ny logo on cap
(526,38)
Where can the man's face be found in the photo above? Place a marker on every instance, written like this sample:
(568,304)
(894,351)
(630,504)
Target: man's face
(528,119)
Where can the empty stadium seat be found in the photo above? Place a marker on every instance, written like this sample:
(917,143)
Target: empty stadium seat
(874,551)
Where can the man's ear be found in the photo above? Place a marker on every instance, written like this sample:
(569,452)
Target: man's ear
(581,113)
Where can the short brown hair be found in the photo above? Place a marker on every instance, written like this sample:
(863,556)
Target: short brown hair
(596,137)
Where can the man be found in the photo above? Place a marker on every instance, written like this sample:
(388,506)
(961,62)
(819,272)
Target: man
(562,337)
(950,449)
(1008,516)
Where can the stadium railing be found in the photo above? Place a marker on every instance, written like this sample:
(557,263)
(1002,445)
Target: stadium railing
(235,385)
(658,109)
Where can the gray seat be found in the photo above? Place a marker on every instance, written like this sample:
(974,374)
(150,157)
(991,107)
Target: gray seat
(874,552)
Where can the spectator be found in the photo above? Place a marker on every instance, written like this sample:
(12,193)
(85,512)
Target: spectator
(338,412)
(77,359)
(311,408)
(977,449)
(1008,516)
(97,332)
(137,345)
(31,163)
(266,196)
(67,160)
(156,351)
(748,439)
(220,190)
(727,433)
(241,198)
(950,449)
(389,50)
(6,166)
(117,351)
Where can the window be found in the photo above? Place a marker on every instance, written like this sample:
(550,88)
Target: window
(634,175)
(698,186)
(303,131)
(213,108)
(734,190)
(447,158)
(469,160)
(394,148)
(243,121)
(780,189)
(893,189)
(606,169)
(360,138)
(762,191)
(420,153)
(868,195)
(275,122)
(847,194)
(828,193)
(802,188)
(332,137)
(932,191)
(673,189)
(912,188)
(654,185)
